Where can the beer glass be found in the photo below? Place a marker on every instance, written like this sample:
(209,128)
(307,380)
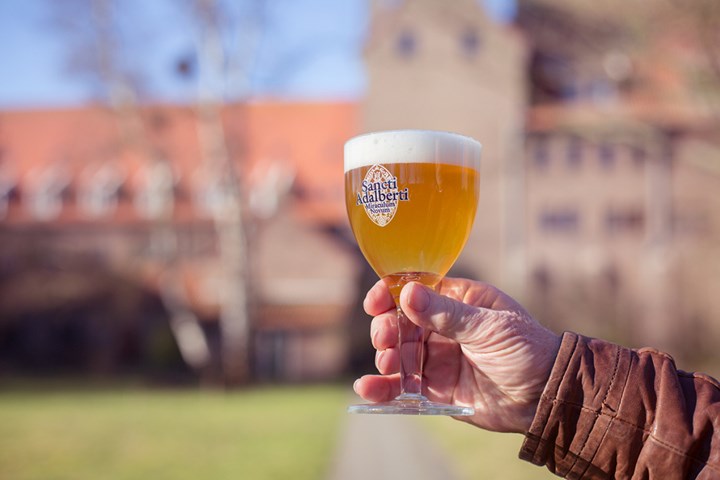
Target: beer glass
(411,197)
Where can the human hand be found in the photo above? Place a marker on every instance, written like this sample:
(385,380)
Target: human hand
(484,351)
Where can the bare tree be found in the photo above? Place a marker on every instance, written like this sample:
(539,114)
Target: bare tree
(97,50)
(230,217)
(225,39)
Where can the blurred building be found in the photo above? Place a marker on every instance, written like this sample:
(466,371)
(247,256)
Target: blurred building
(622,175)
(600,182)
(600,198)
(447,66)
(108,232)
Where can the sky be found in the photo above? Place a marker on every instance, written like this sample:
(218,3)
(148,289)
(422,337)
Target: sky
(311,49)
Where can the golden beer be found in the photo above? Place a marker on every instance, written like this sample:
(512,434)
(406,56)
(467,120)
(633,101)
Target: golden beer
(430,226)
(411,198)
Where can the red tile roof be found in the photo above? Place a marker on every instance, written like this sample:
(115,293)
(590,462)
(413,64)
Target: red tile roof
(271,142)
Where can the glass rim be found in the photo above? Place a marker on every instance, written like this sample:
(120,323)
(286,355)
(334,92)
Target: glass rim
(411,146)
(414,131)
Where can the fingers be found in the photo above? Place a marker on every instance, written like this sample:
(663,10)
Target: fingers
(449,317)
(387,361)
(378,300)
(384,331)
(378,388)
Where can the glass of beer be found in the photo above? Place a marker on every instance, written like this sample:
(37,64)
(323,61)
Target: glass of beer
(411,198)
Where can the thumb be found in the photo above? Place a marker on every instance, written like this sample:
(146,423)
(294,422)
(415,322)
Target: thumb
(446,316)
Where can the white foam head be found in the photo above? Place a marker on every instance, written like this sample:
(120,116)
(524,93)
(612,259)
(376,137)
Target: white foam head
(411,146)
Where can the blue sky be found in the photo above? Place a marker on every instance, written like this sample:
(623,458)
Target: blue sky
(326,34)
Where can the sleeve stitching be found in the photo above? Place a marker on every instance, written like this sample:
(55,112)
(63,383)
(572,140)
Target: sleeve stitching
(598,412)
(614,417)
(614,375)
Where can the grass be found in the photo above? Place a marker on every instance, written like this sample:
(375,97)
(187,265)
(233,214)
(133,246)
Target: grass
(263,433)
(480,454)
(266,433)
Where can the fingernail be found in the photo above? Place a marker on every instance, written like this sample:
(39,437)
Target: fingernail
(419,300)
(355,385)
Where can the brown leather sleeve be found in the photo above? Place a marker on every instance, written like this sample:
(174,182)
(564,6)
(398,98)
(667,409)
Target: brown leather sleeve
(612,412)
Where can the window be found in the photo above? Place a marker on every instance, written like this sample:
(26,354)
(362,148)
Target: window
(7,189)
(49,191)
(270,354)
(627,220)
(406,44)
(101,192)
(551,77)
(611,278)
(470,42)
(561,221)
(574,151)
(540,152)
(606,155)
(542,279)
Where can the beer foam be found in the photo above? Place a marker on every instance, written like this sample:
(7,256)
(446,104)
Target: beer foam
(411,146)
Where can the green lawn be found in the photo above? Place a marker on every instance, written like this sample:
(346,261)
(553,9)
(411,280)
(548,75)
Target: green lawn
(262,433)
(255,434)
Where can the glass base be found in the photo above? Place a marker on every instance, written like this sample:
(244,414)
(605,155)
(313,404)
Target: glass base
(411,405)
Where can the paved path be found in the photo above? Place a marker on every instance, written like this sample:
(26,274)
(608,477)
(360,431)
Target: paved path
(387,447)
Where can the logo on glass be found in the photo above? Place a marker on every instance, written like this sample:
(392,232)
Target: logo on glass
(380,195)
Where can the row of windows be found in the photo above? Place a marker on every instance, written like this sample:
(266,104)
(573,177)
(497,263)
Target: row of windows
(618,222)
(615,221)
(102,200)
(407,43)
(575,152)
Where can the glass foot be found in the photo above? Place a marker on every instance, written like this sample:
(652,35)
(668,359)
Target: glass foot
(411,405)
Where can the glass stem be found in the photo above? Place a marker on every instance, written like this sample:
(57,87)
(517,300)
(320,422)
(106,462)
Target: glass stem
(411,344)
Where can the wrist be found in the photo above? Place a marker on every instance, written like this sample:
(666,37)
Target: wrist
(545,363)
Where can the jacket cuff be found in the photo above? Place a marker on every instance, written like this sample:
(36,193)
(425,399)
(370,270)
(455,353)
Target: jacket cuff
(576,408)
